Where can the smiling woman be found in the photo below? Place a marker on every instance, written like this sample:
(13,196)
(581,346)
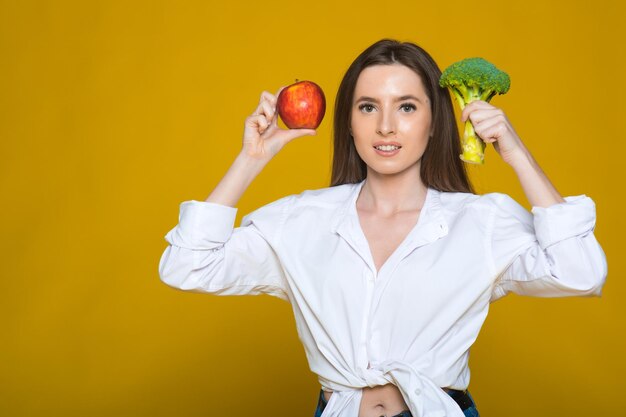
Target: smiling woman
(391,119)
(390,271)
(411,76)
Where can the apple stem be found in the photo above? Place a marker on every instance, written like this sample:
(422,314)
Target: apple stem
(297,80)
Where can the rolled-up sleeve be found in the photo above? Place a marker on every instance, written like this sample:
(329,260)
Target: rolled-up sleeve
(550,253)
(206,253)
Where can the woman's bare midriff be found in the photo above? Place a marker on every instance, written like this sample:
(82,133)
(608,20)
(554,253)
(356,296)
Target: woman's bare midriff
(379,401)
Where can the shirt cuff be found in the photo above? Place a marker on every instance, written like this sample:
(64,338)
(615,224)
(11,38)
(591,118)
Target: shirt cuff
(575,217)
(202,225)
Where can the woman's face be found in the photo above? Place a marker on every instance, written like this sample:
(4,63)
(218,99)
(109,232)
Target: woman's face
(391,119)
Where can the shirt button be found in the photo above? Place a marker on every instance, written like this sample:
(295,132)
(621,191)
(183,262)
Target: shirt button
(418,391)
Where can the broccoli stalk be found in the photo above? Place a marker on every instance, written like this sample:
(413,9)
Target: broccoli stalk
(469,80)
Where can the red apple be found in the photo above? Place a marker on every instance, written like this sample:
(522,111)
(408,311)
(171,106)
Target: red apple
(301,105)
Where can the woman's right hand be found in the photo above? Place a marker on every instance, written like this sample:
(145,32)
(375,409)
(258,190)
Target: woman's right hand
(262,138)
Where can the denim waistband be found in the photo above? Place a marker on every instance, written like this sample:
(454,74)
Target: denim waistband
(462,398)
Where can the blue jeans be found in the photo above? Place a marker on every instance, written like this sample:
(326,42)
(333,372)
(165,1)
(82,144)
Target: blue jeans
(469,412)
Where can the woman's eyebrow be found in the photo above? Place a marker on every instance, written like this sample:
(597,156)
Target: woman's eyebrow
(406,97)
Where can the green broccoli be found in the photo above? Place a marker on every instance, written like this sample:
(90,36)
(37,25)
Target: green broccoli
(469,80)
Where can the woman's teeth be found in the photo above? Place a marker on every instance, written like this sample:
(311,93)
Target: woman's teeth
(387,147)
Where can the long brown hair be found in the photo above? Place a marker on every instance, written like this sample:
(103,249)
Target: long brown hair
(441,167)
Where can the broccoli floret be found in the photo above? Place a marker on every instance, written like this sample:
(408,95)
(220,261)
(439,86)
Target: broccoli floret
(469,80)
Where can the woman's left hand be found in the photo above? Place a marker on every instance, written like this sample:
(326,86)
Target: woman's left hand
(492,126)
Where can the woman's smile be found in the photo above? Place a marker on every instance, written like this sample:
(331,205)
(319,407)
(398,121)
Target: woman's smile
(387,149)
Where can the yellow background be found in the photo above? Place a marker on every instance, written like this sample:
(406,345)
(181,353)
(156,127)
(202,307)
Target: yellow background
(114,112)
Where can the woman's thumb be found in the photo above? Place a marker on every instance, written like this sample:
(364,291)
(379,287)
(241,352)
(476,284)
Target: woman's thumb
(296,133)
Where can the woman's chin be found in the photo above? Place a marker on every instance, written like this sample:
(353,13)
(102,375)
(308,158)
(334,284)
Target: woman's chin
(389,170)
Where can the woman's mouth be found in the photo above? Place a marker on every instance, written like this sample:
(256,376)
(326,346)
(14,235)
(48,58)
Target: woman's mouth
(387,150)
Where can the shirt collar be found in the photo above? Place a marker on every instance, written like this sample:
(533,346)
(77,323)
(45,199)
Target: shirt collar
(431,224)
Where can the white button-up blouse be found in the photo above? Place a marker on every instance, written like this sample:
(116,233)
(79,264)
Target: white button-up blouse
(411,323)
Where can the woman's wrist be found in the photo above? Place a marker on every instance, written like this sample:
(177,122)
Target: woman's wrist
(538,189)
(521,161)
(250,163)
(236,180)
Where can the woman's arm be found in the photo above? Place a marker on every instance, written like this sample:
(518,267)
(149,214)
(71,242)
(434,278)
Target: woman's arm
(206,252)
(262,140)
(538,189)
(492,126)
(236,180)
(551,253)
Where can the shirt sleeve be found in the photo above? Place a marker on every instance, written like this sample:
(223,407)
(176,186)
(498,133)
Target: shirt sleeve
(206,253)
(549,253)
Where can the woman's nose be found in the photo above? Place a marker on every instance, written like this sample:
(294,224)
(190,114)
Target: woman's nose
(386,124)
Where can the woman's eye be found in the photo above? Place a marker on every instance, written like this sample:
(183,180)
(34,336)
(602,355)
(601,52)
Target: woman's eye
(406,108)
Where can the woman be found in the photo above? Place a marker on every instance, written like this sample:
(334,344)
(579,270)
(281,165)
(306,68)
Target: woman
(391,270)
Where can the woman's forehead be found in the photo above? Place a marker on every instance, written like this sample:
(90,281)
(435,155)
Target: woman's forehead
(388,81)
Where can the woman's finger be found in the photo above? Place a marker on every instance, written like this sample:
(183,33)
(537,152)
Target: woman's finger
(475,106)
(292,134)
(265,96)
(268,110)
(257,122)
(479,116)
(490,130)
(492,133)
(264,108)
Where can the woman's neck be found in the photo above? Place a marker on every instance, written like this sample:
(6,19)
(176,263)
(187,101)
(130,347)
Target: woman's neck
(387,195)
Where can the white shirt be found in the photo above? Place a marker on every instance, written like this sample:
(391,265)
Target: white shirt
(412,323)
